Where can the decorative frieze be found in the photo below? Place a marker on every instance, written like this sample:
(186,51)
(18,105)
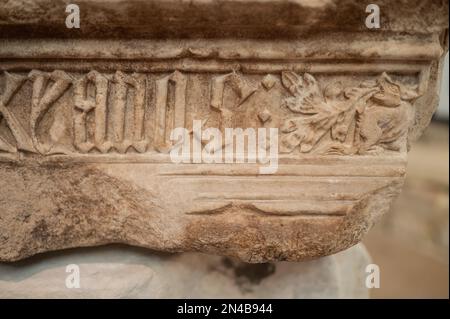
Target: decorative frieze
(88,116)
(114,113)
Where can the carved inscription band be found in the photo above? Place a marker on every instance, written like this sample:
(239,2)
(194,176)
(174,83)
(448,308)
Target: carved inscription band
(135,112)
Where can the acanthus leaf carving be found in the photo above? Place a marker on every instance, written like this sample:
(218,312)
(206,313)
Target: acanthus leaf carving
(381,112)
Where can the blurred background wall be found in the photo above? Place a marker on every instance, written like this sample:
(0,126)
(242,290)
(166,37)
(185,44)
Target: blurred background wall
(442,112)
(411,243)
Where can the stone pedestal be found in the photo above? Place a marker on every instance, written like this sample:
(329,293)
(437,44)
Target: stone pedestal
(124,272)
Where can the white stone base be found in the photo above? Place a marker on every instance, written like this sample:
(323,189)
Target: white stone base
(127,272)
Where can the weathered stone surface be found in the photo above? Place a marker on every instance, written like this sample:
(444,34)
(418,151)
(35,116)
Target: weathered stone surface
(86,122)
(216,18)
(124,272)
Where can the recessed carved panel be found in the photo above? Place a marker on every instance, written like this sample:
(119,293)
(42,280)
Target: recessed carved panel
(130,113)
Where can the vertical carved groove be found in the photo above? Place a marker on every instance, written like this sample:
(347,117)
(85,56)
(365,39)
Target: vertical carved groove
(23,140)
(162,87)
(140,143)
